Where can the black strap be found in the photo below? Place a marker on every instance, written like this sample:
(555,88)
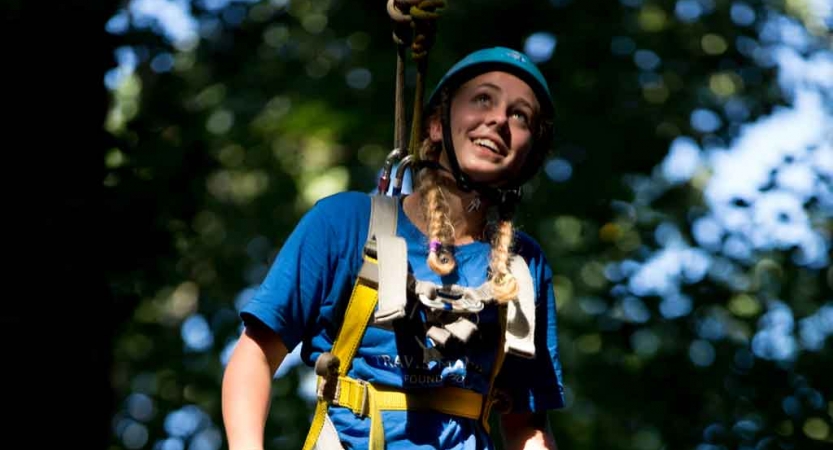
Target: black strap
(425,164)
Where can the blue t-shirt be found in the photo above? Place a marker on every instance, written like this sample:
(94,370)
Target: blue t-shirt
(306,292)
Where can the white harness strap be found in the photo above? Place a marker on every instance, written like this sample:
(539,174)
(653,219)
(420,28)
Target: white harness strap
(520,313)
(392,258)
(384,212)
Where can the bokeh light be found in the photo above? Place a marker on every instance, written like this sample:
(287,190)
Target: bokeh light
(540,46)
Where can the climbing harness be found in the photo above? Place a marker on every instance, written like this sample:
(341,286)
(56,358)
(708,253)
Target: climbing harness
(380,295)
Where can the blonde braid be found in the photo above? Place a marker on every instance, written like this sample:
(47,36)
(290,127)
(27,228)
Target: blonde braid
(436,211)
(504,285)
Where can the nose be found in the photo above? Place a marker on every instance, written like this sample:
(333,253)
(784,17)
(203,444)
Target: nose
(499,120)
(497,117)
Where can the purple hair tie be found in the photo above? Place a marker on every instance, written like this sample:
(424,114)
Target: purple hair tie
(434,246)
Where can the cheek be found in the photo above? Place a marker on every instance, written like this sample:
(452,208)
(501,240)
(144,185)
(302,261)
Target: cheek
(459,133)
(524,149)
(462,117)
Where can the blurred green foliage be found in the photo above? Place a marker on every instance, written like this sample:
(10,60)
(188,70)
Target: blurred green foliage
(212,163)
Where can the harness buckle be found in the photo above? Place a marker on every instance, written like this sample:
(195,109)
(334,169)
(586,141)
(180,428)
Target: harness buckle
(448,293)
(364,406)
(326,367)
(370,248)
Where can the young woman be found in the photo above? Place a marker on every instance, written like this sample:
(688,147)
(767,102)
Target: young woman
(487,130)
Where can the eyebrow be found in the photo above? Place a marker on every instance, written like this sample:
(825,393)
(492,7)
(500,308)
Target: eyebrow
(498,88)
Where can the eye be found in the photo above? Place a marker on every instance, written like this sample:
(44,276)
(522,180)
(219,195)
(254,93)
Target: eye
(483,99)
(521,116)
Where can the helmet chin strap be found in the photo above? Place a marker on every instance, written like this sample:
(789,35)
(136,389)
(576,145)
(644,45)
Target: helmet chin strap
(504,196)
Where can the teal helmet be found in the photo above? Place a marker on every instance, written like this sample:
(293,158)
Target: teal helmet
(488,60)
(491,59)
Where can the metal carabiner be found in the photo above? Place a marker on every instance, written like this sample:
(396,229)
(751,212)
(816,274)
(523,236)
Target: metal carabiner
(384,180)
(400,174)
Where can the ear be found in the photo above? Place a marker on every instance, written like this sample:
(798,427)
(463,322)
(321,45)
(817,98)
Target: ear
(435,129)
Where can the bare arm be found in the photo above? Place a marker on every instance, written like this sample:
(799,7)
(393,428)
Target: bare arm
(527,431)
(247,383)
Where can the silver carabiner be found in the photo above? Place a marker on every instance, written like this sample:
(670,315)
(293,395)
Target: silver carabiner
(384,179)
(400,174)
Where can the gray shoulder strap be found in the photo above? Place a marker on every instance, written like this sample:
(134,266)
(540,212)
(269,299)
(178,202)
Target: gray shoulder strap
(384,212)
(520,313)
(391,257)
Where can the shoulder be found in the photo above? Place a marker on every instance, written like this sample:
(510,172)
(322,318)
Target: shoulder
(532,253)
(343,200)
(345,213)
(342,206)
(527,246)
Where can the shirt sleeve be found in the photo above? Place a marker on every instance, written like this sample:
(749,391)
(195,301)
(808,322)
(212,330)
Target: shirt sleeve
(290,297)
(536,384)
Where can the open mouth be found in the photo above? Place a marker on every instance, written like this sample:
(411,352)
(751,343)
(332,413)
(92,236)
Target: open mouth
(487,144)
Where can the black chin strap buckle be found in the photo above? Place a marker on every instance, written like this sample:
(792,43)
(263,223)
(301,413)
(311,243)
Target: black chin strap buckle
(511,196)
(509,199)
(463,181)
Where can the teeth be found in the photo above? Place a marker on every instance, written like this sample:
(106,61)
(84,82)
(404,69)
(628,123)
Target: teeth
(486,143)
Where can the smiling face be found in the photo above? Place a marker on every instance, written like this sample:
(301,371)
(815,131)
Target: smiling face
(492,127)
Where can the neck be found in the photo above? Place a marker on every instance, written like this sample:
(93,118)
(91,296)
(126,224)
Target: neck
(468,222)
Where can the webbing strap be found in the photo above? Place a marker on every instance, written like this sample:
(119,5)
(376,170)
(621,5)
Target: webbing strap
(362,397)
(392,253)
(520,313)
(384,212)
(367,400)
(359,309)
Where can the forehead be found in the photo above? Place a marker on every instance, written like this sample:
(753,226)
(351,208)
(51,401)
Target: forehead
(509,84)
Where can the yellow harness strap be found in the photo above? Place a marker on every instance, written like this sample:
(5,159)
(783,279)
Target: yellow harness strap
(363,398)
(359,309)
(367,400)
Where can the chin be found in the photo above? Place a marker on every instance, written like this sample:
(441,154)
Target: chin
(490,178)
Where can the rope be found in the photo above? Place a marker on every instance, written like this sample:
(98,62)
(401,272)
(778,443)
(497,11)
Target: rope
(424,21)
(402,39)
(417,28)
